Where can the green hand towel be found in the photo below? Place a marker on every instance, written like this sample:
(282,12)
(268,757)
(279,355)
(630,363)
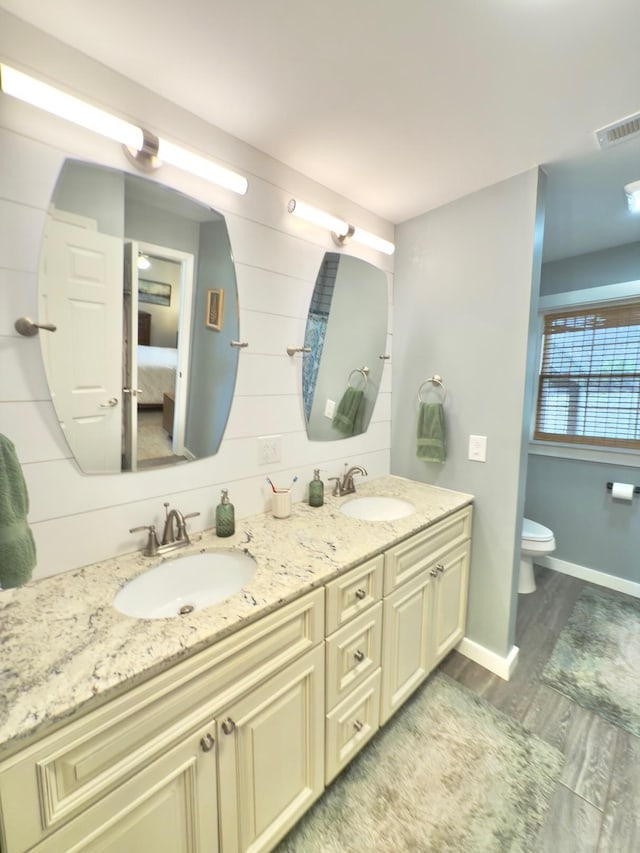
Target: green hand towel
(431,433)
(348,417)
(17,548)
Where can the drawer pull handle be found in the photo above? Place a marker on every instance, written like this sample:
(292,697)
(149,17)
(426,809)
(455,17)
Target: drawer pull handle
(358,655)
(439,567)
(358,726)
(433,573)
(228,726)
(207,743)
(361,593)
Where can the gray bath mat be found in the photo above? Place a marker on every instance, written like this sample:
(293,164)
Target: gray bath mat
(448,774)
(596,658)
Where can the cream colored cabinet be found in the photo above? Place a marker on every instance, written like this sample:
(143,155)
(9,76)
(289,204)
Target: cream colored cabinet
(450,600)
(226,750)
(408,652)
(144,765)
(270,754)
(353,657)
(169,807)
(426,582)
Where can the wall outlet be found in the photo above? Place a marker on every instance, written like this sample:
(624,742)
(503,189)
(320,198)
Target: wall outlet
(329,408)
(269,449)
(478,448)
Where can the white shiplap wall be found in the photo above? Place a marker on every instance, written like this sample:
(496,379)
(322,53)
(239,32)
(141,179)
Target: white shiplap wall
(79,519)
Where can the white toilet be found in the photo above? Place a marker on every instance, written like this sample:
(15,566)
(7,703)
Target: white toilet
(537,541)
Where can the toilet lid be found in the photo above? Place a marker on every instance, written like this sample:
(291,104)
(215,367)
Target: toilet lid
(534,531)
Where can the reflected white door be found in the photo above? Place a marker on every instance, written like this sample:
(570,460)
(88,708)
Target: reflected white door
(82,296)
(130,359)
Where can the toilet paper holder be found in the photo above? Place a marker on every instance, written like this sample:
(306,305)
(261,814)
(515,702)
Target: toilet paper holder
(636,489)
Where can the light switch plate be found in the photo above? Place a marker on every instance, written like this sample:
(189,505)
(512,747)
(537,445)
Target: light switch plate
(329,408)
(269,449)
(478,448)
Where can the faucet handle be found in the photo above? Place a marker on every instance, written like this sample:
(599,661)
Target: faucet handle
(152,541)
(336,488)
(182,526)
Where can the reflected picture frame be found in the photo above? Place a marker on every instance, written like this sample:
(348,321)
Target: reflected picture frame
(154,292)
(213,318)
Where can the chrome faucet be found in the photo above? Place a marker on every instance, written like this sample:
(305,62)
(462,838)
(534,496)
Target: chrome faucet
(174,535)
(346,486)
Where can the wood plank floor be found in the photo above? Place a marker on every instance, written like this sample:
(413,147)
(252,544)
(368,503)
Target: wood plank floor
(596,804)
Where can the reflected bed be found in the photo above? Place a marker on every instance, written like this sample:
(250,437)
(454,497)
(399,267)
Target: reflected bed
(156,374)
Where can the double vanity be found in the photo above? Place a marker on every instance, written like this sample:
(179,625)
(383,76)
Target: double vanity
(217,729)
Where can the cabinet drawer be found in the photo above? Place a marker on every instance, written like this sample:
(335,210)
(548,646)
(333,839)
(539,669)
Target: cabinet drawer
(57,777)
(352,653)
(353,592)
(406,560)
(351,724)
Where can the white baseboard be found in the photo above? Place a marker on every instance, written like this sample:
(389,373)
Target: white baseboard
(591,575)
(502,666)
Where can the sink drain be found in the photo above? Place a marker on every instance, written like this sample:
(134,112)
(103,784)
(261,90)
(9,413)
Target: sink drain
(186,608)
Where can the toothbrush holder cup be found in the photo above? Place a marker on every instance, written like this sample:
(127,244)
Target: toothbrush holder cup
(281,504)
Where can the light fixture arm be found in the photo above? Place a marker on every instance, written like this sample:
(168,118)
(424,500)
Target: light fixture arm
(341,231)
(145,159)
(343,239)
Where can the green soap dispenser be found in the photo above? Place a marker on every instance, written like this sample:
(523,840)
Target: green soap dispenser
(225,516)
(316,489)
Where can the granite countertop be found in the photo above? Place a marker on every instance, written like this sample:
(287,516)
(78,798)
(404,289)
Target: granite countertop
(66,649)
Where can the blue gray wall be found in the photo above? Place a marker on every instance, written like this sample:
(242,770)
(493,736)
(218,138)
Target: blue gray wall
(569,495)
(467,276)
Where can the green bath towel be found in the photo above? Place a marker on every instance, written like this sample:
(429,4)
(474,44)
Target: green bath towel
(348,417)
(431,433)
(17,548)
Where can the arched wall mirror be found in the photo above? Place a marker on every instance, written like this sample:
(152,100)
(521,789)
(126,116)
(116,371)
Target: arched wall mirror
(346,333)
(140,283)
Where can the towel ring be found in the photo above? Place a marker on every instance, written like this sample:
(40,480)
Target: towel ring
(363,371)
(433,380)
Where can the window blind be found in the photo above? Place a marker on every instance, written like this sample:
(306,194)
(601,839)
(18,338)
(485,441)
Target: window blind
(589,384)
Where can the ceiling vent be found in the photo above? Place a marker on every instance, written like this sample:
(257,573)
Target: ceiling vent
(619,131)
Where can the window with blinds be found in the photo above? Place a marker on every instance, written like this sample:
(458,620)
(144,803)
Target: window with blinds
(589,386)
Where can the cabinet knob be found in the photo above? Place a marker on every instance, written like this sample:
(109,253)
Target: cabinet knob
(357,725)
(228,726)
(207,743)
(439,567)
(359,655)
(361,593)
(433,573)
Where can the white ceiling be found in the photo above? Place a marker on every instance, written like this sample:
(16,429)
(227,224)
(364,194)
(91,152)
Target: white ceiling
(399,105)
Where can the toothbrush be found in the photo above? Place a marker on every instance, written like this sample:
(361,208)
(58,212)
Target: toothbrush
(268,480)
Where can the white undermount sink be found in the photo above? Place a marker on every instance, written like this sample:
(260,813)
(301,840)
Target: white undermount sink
(179,586)
(378,508)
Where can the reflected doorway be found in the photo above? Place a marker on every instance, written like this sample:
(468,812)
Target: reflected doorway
(157,304)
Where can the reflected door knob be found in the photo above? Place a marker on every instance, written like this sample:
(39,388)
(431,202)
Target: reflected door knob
(110,403)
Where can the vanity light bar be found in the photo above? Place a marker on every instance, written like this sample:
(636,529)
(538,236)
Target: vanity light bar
(200,166)
(341,231)
(52,100)
(144,149)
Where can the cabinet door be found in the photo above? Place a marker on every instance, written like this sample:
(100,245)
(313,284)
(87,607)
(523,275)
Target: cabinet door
(450,603)
(271,756)
(407,650)
(169,807)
